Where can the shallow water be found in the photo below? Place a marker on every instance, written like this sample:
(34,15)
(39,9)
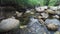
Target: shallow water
(35,27)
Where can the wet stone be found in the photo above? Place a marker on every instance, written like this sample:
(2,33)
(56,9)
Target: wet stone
(53,21)
(35,27)
(50,11)
(55,16)
(44,15)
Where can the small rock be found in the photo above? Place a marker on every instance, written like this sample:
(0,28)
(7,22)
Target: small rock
(44,15)
(50,11)
(53,7)
(18,14)
(44,7)
(28,11)
(23,26)
(40,17)
(31,12)
(55,16)
(52,27)
(40,9)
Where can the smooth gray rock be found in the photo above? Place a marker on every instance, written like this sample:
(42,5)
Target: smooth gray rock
(53,21)
(35,27)
(8,24)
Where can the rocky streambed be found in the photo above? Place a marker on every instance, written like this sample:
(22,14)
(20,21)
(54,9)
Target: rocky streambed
(40,20)
(44,20)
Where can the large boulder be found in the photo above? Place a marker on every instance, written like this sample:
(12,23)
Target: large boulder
(8,24)
(52,24)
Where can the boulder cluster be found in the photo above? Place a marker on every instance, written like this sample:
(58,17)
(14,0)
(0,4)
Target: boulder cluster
(50,15)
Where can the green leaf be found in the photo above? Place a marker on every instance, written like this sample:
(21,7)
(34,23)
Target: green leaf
(52,2)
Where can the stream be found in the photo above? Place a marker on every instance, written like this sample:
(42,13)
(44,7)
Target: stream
(35,27)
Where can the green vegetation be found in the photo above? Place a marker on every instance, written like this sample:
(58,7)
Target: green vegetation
(52,2)
(31,3)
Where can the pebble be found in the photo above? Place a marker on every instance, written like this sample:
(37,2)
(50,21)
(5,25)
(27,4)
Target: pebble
(18,14)
(23,26)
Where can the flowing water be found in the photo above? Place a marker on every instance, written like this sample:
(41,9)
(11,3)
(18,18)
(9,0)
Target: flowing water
(35,27)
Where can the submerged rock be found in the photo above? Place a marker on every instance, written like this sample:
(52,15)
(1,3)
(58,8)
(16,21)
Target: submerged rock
(35,27)
(52,27)
(52,23)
